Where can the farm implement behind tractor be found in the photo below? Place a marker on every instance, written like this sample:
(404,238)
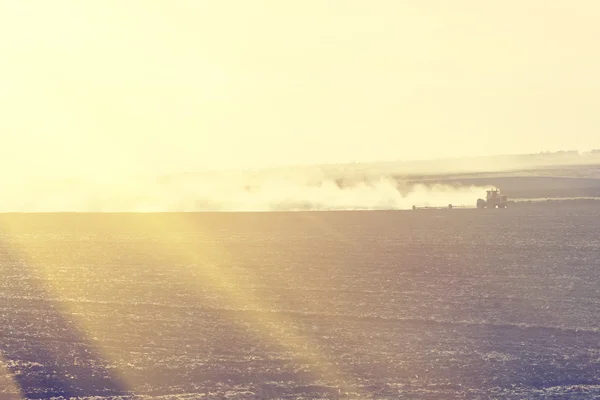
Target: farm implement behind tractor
(493,199)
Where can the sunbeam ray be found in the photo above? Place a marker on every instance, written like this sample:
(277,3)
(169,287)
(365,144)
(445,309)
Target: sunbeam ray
(210,264)
(63,358)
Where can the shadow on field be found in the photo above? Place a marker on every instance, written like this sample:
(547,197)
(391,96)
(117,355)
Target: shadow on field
(47,354)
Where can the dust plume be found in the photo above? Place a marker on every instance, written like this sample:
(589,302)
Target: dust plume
(247,191)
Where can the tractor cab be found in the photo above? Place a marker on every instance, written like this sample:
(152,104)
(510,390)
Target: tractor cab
(492,194)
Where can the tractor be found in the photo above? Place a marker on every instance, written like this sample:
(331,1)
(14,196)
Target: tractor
(493,200)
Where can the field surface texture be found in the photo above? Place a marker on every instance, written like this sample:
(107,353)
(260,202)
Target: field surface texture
(449,304)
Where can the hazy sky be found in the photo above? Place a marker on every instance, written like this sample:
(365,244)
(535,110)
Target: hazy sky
(103,85)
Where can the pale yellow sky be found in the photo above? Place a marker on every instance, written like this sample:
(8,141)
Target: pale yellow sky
(103,86)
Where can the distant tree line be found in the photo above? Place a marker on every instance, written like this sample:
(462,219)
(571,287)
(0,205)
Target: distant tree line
(567,152)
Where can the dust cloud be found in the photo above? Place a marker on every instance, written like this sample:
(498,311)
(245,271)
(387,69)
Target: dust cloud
(233,192)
